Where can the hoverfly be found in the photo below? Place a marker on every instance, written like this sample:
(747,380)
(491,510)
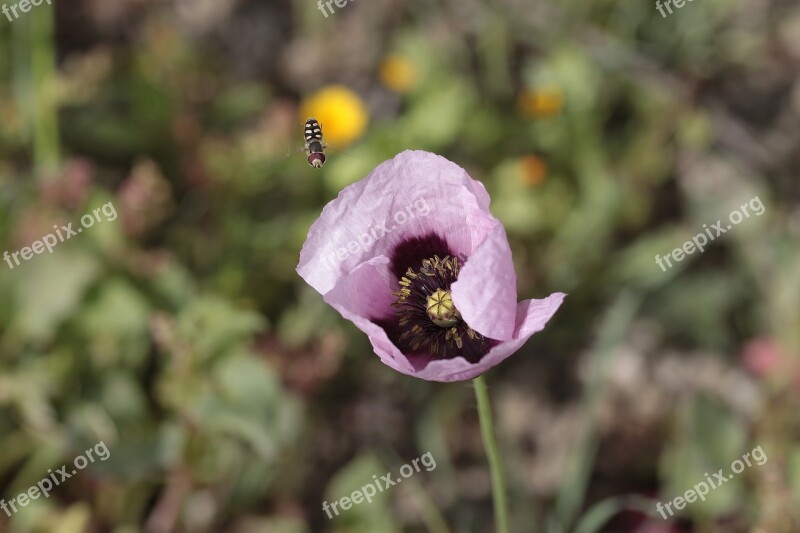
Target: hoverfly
(315,146)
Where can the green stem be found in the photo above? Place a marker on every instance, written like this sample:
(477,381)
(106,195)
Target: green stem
(43,70)
(495,464)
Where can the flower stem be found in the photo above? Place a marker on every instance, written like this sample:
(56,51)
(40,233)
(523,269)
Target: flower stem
(44,108)
(495,464)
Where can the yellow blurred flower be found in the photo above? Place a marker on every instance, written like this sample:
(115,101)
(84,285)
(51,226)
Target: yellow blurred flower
(532,169)
(545,101)
(340,112)
(398,73)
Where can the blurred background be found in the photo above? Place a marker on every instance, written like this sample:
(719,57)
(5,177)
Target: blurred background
(231,398)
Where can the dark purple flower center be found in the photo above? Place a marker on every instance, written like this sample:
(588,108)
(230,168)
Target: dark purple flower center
(427,321)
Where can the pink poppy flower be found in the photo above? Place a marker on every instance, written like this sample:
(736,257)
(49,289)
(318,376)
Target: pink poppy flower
(763,357)
(413,257)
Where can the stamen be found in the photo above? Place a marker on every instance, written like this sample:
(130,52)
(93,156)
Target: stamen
(427,316)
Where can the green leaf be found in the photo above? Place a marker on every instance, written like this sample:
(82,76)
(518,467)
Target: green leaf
(600,513)
(50,289)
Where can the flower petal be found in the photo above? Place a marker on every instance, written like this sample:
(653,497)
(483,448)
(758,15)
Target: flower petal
(415,193)
(486,291)
(365,292)
(532,315)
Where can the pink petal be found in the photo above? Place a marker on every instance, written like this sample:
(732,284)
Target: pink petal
(412,194)
(365,292)
(486,291)
(532,315)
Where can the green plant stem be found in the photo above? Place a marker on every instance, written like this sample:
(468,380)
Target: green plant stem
(43,107)
(495,464)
